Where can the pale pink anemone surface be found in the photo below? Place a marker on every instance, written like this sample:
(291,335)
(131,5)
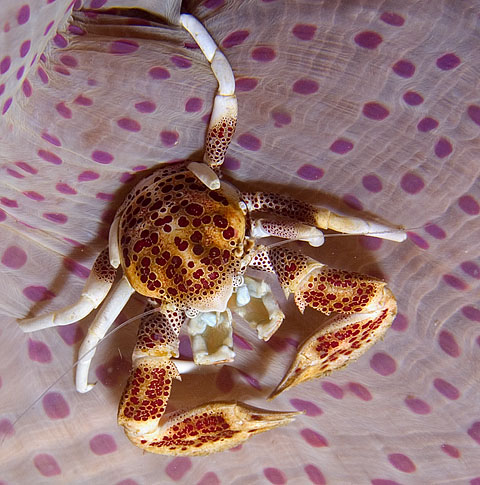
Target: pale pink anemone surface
(372,108)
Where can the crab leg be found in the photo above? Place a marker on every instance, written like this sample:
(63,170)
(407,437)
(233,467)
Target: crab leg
(224,113)
(319,217)
(94,292)
(366,304)
(211,427)
(109,311)
(288,229)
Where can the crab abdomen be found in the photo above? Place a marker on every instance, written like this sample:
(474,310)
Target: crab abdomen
(180,241)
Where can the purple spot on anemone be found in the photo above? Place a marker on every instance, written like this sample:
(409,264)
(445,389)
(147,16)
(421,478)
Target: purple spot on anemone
(178,467)
(310,408)
(315,475)
(418,406)
(181,62)
(38,293)
(448,61)
(352,202)
(249,142)
(281,118)
(55,406)
(372,183)
(304,31)
(469,205)
(446,389)
(23,15)
(145,107)
(392,18)
(454,282)
(341,146)
(102,157)
(55,217)
(412,98)
(123,46)
(404,68)
(87,176)
(14,257)
(471,313)
(411,183)
(383,364)
(245,84)
(427,124)
(443,148)
(39,351)
(305,86)
(103,444)
(158,72)
(360,391)
(448,344)
(471,268)
(235,38)
(368,39)
(46,465)
(49,157)
(375,111)
(76,268)
(402,462)
(310,172)
(231,163)
(435,231)
(169,138)
(418,240)
(129,125)
(193,105)
(63,110)
(263,54)
(313,438)
(474,113)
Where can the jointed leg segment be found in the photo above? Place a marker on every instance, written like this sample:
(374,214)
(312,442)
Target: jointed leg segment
(319,217)
(366,306)
(109,311)
(223,119)
(208,428)
(94,292)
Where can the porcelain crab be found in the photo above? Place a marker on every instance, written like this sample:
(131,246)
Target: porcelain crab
(184,238)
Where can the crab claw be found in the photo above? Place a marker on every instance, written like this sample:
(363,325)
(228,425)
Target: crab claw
(206,429)
(209,428)
(346,337)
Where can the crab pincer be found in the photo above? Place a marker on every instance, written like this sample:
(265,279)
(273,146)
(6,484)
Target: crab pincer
(205,429)
(365,309)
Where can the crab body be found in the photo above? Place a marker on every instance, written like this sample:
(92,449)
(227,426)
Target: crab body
(182,242)
(184,239)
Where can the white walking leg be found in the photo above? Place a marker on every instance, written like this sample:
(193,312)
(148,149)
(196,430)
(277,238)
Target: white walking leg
(106,315)
(287,229)
(224,113)
(319,217)
(94,292)
(113,243)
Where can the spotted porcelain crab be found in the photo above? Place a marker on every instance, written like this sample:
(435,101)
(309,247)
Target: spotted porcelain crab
(184,239)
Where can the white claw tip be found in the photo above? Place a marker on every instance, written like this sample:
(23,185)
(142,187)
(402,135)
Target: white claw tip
(85,389)
(316,241)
